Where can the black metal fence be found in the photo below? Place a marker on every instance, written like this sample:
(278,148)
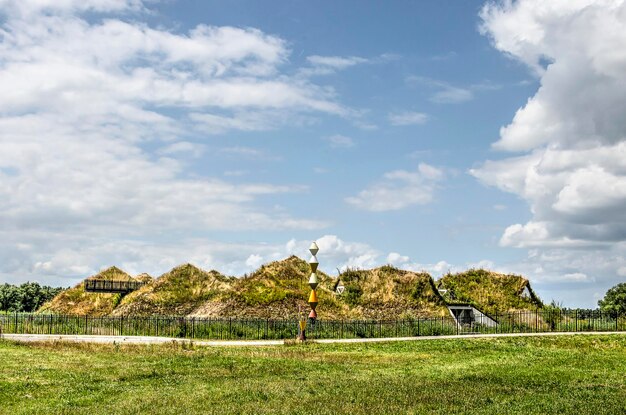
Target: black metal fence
(539,321)
(109,286)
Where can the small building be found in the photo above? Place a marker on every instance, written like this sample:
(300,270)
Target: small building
(468,315)
(475,295)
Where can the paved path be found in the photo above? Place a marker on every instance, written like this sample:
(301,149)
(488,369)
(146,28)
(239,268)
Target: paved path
(27,338)
(243,343)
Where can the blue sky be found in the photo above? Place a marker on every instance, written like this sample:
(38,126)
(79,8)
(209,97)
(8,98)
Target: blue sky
(436,136)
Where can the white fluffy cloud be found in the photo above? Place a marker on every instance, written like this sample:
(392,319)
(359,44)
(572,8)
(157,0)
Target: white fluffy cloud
(99,116)
(408,118)
(572,132)
(43,258)
(445,93)
(339,141)
(326,65)
(436,270)
(31,7)
(338,62)
(399,189)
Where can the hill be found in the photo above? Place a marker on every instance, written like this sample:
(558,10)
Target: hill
(77,301)
(390,293)
(490,291)
(177,292)
(279,289)
(145,278)
(275,290)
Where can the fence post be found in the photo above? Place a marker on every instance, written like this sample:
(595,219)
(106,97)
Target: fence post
(576,318)
(593,320)
(16,322)
(497,322)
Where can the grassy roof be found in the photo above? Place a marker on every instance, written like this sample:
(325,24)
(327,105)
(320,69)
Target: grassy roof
(111,274)
(389,293)
(490,291)
(145,278)
(177,292)
(279,289)
(77,301)
(276,290)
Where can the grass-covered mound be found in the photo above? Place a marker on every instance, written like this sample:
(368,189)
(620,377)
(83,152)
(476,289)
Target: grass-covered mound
(77,301)
(279,289)
(390,293)
(490,291)
(145,278)
(177,292)
(276,290)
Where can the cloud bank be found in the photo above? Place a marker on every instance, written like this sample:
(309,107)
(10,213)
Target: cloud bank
(569,140)
(399,189)
(99,113)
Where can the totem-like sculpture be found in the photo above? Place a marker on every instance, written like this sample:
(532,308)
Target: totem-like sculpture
(313,280)
(313,296)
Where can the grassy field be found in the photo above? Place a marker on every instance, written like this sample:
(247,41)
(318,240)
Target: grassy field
(546,375)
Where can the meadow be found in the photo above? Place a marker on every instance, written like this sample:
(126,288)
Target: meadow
(580,374)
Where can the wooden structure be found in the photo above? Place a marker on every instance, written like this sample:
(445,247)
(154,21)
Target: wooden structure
(111,286)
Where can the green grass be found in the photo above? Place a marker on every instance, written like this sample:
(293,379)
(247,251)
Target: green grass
(547,375)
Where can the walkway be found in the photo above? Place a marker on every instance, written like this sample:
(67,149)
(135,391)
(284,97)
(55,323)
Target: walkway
(26,338)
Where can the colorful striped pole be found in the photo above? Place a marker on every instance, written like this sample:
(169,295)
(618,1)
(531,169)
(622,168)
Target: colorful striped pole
(313,282)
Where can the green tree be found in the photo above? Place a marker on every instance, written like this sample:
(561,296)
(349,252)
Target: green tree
(615,299)
(27,297)
(9,298)
(32,296)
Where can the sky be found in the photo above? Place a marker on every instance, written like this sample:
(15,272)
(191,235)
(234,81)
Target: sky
(432,135)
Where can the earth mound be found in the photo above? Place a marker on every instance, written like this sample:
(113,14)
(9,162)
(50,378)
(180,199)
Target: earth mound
(489,291)
(77,301)
(390,293)
(177,292)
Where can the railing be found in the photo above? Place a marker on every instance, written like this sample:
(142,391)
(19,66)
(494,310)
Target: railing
(109,286)
(255,329)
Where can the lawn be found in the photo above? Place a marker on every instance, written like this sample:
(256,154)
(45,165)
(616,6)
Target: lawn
(544,375)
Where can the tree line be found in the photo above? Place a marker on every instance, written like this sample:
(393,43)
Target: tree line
(27,297)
